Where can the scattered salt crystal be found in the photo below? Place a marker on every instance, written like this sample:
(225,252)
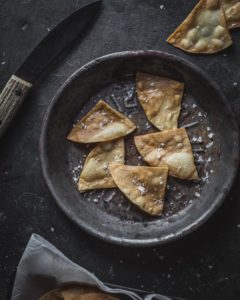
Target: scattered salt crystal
(209,145)
(210,267)
(95,200)
(3,63)
(194,139)
(162,7)
(148,126)
(208,128)
(52,229)
(211,135)
(139,157)
(168,275)
(211,171)
(141,189)
(48,29)
(235,83)
(200,159)
(121,261)
(238,225)
(200,114)
(197,195)
(194,106)
(209,159)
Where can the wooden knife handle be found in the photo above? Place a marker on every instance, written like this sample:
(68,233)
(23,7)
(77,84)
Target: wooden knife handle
(11,98)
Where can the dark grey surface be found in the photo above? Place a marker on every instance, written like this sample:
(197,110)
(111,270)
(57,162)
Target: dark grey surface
(206,265)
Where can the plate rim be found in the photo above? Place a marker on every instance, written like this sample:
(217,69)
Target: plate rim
(126,241)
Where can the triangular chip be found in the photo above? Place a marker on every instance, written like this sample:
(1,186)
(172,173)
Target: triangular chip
(143,186)
(204,31)
(102,123)
(171,147)
(95,173)
(232,12)
(77,293)
(160,98)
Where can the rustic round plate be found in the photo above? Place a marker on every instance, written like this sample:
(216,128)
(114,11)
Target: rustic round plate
(107,214)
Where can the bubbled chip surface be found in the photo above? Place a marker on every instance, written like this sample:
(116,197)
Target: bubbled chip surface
(204,30)
(232,12)
(171,147)
(160,98)
(143,186)
(102,123)
(95,173)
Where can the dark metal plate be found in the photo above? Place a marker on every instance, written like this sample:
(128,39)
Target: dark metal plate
(107,214)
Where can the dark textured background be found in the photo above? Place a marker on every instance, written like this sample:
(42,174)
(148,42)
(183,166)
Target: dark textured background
(205,265)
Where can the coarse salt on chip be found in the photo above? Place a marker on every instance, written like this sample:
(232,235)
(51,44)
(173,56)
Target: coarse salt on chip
(95,173)
(102,123)
(204,31)
(143,186)
(171,147)
(160,98)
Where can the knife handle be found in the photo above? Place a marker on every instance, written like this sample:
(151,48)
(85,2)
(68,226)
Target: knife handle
(11,98)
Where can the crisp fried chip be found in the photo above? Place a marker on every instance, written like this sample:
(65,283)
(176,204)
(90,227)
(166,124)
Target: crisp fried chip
(171,147)
(204,30)
(95,173)
(143,186)
(77,293)
(232,12)
(160,98)
(101,124)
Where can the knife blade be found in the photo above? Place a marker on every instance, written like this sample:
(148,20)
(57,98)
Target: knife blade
(61,37)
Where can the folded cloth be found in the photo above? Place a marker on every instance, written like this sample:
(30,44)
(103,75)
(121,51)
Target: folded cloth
(43,268)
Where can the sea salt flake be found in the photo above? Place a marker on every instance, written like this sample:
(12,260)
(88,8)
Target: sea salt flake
(209,145)
(211,135)
(238,225)
(197,195)
(95,200)
(235,84)
(194,106)
(162,7)
(141,189)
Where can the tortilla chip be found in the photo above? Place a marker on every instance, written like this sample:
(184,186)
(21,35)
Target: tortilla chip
(231,9)
(77,293)
(95,173)
(160,98)
(171,147)
(101,124)
(204,30)
(143,186)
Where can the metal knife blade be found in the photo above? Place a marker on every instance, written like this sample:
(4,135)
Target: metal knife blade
(56,41)
(62,36)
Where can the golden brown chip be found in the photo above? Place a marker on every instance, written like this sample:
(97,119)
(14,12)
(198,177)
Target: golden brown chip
(95,173)
(101,124)
(171,147)
(160,98)
(231,9)
(143,186)
(204,30)
(77,293)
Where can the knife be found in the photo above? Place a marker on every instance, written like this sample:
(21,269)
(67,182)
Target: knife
(37,62)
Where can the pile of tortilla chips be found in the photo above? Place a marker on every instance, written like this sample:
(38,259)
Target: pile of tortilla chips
(168,152)
(206,29)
